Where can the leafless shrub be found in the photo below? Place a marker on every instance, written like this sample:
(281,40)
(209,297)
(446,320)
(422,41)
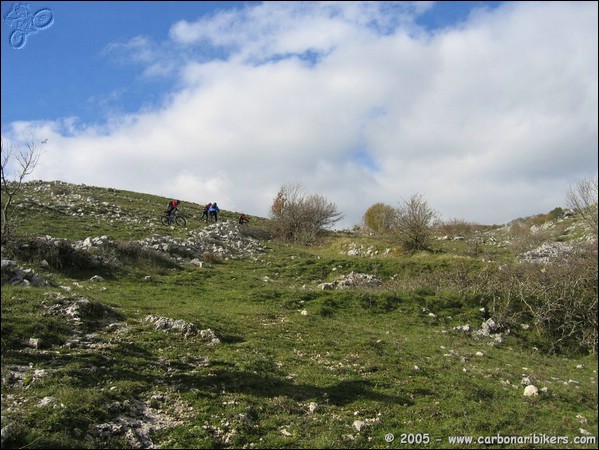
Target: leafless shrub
(582,198)
(469,232)
(299,217)
(559,299)
(459,227)
(522,239)
(414,223)
(18,161)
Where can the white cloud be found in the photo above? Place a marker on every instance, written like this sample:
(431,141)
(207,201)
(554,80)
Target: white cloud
(489,121)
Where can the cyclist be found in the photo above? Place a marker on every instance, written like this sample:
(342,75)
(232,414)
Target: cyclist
(243,219)
(173,206)
(213,211)
(205,211)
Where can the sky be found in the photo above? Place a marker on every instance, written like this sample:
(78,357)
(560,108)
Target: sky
(487,110)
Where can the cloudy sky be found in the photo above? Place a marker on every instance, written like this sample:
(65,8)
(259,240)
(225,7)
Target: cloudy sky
(486,109)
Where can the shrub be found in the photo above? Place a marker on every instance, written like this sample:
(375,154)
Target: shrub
(559,299)
(583,200)
(458,227)
(380,218)
(299,217)
(414,222)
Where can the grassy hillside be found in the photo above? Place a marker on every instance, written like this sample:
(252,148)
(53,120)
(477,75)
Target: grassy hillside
(213,336)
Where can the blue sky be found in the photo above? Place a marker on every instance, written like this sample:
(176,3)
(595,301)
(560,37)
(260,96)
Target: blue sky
(487,109)
(74,68)
(78,65)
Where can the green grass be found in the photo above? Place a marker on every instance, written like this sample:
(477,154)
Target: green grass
(280,378)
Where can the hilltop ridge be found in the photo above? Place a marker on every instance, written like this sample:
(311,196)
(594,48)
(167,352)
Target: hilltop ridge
(133,208)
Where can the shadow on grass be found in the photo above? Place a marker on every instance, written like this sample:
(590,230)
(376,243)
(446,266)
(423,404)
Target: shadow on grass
(340,394)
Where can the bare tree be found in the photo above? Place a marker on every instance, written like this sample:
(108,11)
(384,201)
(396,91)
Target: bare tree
(583,200)
(297,216)
(18,161)
(414,222)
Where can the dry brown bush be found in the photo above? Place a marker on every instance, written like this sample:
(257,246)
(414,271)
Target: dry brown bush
(559,299)
(299,217)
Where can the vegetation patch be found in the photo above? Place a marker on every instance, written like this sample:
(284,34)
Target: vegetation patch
(138,340)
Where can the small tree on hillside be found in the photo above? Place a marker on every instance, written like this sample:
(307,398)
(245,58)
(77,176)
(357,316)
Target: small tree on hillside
(414,223)
(17,163)
(380,218)
(583,200)
(296,216)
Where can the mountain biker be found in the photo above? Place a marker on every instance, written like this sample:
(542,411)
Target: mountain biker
(173,206)
(213,211)
(205,211)
(243,219)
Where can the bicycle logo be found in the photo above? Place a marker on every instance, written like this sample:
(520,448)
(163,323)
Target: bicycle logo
(25,23)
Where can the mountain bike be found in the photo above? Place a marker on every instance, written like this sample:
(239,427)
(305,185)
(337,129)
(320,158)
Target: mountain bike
(211,217)
(175,218)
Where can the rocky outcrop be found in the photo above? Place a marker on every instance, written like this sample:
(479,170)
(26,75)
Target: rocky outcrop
(181,326)
(351,281)
(548,252)
(223,240)
(13,274)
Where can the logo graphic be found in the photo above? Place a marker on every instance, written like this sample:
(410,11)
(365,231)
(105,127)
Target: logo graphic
(25,23)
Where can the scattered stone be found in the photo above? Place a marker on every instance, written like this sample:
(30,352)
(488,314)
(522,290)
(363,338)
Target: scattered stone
(7,431)
(210,336)
(35,343)
(489,330)
(531,390)
(352,280)
(165,323)
(46,401)
(359,425)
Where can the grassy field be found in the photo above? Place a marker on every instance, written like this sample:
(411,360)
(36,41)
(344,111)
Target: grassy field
(272,360)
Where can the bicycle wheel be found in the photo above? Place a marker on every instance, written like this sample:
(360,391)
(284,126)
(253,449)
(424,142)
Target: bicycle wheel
(17,39)
(181,221)
(165,221)
(43,19)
